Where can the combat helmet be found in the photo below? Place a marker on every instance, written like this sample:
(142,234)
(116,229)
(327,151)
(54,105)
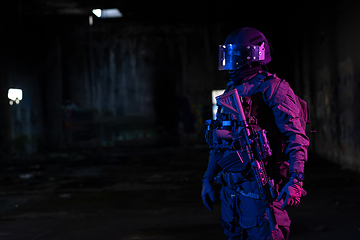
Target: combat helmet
(242,47)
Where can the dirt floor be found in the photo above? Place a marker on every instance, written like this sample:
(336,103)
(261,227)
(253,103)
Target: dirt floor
(151,193)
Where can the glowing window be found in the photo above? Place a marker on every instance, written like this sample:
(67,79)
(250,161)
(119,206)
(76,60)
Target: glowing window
(97,12)
(214,106)
(107,13)
(15,95)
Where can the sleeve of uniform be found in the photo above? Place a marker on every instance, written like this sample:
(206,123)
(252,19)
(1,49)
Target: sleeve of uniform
(281,99)
(212,166)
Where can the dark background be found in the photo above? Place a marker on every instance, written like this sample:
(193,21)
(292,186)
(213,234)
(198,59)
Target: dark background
(144,81)
(146,78)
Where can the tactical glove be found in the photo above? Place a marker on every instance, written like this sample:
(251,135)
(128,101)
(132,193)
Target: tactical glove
(208,194)
(292,192)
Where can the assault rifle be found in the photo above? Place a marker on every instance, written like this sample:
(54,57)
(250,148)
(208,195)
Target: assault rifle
(252,147)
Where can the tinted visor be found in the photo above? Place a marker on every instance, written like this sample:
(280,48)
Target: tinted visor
(232,56)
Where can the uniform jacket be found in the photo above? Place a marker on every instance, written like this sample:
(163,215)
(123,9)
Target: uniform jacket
(274,105)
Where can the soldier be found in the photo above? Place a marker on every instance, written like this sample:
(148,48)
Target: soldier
(269,104)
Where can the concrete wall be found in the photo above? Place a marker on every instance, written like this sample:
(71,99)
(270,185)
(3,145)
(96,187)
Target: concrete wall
(329,66)
(115,82)
(24,56)
(108,83)
(142,82)
(136,83)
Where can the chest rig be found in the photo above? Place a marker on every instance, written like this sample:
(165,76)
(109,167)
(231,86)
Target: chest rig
(248,148)
(220,133)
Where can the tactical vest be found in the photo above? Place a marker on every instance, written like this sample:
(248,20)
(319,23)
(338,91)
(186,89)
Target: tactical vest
(258,114)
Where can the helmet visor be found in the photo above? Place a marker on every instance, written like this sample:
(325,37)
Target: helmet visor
(232,56)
